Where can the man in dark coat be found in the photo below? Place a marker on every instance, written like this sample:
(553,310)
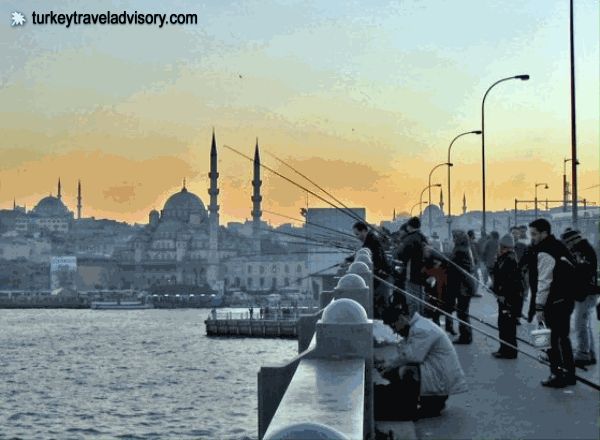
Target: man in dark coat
(460,282)
(490,252)
(381,266)
(554,301)
(508,287)
(411,254)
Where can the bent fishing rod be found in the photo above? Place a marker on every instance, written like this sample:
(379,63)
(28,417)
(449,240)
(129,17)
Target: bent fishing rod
(310,223)
(322,243)
(514,347)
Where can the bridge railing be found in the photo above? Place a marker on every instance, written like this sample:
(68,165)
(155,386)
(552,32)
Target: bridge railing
(327,389)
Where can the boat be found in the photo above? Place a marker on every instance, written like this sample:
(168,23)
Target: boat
(120,305)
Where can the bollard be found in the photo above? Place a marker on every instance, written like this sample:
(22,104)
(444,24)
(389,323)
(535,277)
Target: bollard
(307,431)
(363,258)
(353,286)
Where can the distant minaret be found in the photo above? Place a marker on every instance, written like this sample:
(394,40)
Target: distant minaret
(464,207)
(213,218)
(394,215)
(441,200)
(79,200)
(59,194)
(256,199)
(14,204)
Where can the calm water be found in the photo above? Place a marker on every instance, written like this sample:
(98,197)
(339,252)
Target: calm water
(127,374)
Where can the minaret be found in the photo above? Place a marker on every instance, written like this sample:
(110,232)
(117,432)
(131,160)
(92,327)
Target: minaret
(212,273)
(464,207)
(441,200)
(79,200)
(59,194)
(14,204)
(394,215)
(256,199)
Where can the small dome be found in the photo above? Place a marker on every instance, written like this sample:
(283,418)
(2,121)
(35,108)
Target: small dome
(306,431)
(359,268)
(51,207)
(362,258)
(351,281)
(345,311)
(436,212)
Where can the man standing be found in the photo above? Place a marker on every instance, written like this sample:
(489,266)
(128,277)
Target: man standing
(508,287)
(490,251)
(426,369)
(586,272)
(475,257)
(554,303)
(381,266)
(520,249)
(411,254)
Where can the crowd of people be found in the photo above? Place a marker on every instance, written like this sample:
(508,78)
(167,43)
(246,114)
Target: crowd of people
(419,277)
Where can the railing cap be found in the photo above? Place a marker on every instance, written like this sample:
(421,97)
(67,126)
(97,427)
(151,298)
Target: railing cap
(351,281)
(344,311)
(306,431)
(359,268)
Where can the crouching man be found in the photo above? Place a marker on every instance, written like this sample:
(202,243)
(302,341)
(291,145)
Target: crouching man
(424,371)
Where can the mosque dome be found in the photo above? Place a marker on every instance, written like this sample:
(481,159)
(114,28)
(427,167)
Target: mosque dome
(51,207)
(436,212)
(182,205)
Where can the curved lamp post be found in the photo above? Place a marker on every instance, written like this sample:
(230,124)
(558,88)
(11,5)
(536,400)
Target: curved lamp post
(435,185)
(449,193)
(414,206)
(448,164)
(545,185)
(521,77)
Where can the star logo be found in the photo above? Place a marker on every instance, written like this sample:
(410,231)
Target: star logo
(18,19)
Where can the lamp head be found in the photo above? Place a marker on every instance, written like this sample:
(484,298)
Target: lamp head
(476,132)
(522,77)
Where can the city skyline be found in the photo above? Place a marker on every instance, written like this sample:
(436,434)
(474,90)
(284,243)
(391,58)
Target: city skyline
(359,98)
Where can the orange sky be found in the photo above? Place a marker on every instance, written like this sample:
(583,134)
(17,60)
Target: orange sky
(364,100)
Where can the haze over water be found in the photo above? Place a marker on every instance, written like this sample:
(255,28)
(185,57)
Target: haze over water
(127,374)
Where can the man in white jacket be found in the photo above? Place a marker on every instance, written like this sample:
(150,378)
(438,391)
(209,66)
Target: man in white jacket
(426,357)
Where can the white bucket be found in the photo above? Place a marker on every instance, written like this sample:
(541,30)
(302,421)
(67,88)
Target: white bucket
(540,338)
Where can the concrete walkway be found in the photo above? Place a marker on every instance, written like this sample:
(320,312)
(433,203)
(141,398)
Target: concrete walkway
(506,400)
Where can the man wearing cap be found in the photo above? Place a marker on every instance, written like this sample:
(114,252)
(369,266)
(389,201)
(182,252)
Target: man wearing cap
(586,271)
(411,254)
(508,288)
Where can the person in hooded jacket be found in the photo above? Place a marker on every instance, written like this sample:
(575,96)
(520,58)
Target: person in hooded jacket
(460,282)
(411,255)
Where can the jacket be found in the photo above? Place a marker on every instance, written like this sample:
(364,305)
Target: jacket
(381,266)
(428,345)
(508,281)
(459,282)
(411,254)
(490,251)
(586,268)
(553,281)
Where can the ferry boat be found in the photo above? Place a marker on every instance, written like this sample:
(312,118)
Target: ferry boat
(120,305)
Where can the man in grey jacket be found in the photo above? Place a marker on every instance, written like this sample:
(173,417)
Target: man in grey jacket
(425,357)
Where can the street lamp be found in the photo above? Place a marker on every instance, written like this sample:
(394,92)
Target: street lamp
(435,185)
(521,77)
(449,194)
(545,185)
(414,206)
(448,164)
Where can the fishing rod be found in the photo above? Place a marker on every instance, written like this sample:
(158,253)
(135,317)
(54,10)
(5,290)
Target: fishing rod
(303,188)
(317,242)
(310,223)
(349,211)
(514,347)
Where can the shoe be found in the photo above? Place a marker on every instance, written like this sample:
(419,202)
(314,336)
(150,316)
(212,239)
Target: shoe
(500,355)
(555,382)
(462,341)
(571,380)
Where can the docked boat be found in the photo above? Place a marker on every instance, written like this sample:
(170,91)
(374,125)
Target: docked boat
(120,305)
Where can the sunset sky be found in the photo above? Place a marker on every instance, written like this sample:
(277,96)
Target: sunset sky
(364,97)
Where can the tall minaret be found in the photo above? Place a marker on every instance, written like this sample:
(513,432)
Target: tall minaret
(59,194)
(14,204)
(79,200)
(212,273)
(441,200)
(394,215)
(464,207)
(256,199)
